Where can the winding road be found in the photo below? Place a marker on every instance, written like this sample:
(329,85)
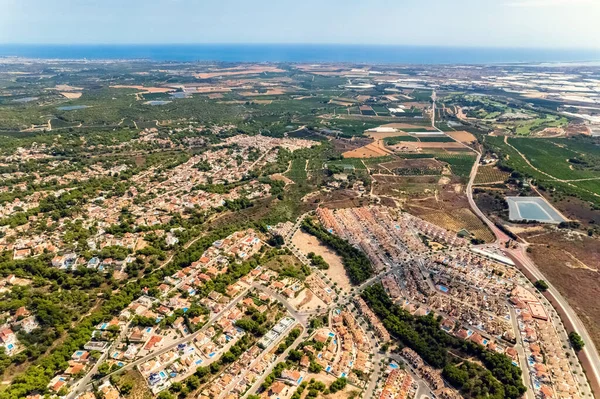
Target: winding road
(588,356)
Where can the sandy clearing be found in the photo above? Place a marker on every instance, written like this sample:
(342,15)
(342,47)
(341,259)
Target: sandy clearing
(307,243)
(462,136)
(71,95)
(67,88)
(307,300)
(215,96)
(280,177)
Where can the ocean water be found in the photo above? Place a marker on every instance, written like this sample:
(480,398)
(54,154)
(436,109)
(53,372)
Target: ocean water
(303,53)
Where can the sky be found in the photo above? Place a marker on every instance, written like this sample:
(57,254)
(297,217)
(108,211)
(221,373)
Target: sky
(461,23)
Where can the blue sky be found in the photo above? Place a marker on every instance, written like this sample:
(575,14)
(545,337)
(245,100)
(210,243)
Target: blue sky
(497,23)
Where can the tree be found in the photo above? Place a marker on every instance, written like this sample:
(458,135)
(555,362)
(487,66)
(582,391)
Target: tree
(103,369)
(164,395)
(576,341)
(126,388)
(541,285)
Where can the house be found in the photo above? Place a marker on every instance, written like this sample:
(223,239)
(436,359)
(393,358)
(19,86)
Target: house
(277,388)
(109,392)
(58,382)
(80,356)
(305,361)
(29,324)
(8,339)
(291,376)
(74,368)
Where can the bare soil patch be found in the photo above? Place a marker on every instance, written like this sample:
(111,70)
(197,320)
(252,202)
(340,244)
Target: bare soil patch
(307,300)
(559,256)
(307,243)
(372,150)
(462,136)
(71,95)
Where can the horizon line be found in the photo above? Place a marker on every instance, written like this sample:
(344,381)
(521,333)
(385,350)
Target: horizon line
(480,47)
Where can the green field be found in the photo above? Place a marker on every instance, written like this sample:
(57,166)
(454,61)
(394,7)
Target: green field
(552,160)
(461,164)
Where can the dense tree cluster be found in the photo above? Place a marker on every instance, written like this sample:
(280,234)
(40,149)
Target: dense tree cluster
(424,336)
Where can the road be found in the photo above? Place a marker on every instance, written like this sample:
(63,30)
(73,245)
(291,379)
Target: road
(589,357)
(423,387)
(281,358)
(86,386)
(590,360)
(302,317)
(239,377)
(522,356)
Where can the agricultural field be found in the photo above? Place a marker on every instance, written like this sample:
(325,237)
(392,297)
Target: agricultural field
(490,174)
(461,219)
(461,163)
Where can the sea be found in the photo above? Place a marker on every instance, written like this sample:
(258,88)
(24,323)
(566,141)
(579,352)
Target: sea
(312,53)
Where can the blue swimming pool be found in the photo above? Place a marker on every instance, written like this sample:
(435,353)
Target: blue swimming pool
(443,288)
(331,334)
(162,374)
(328,369)
(211,355)
(393,365)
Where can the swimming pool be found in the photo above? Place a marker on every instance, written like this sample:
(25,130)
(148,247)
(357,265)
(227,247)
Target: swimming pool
(393,365)
(211,355)
(328,369)
(443,288)
(331,334)
(162,374)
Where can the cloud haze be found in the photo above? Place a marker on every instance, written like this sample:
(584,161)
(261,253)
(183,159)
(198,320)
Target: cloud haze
(489,23)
